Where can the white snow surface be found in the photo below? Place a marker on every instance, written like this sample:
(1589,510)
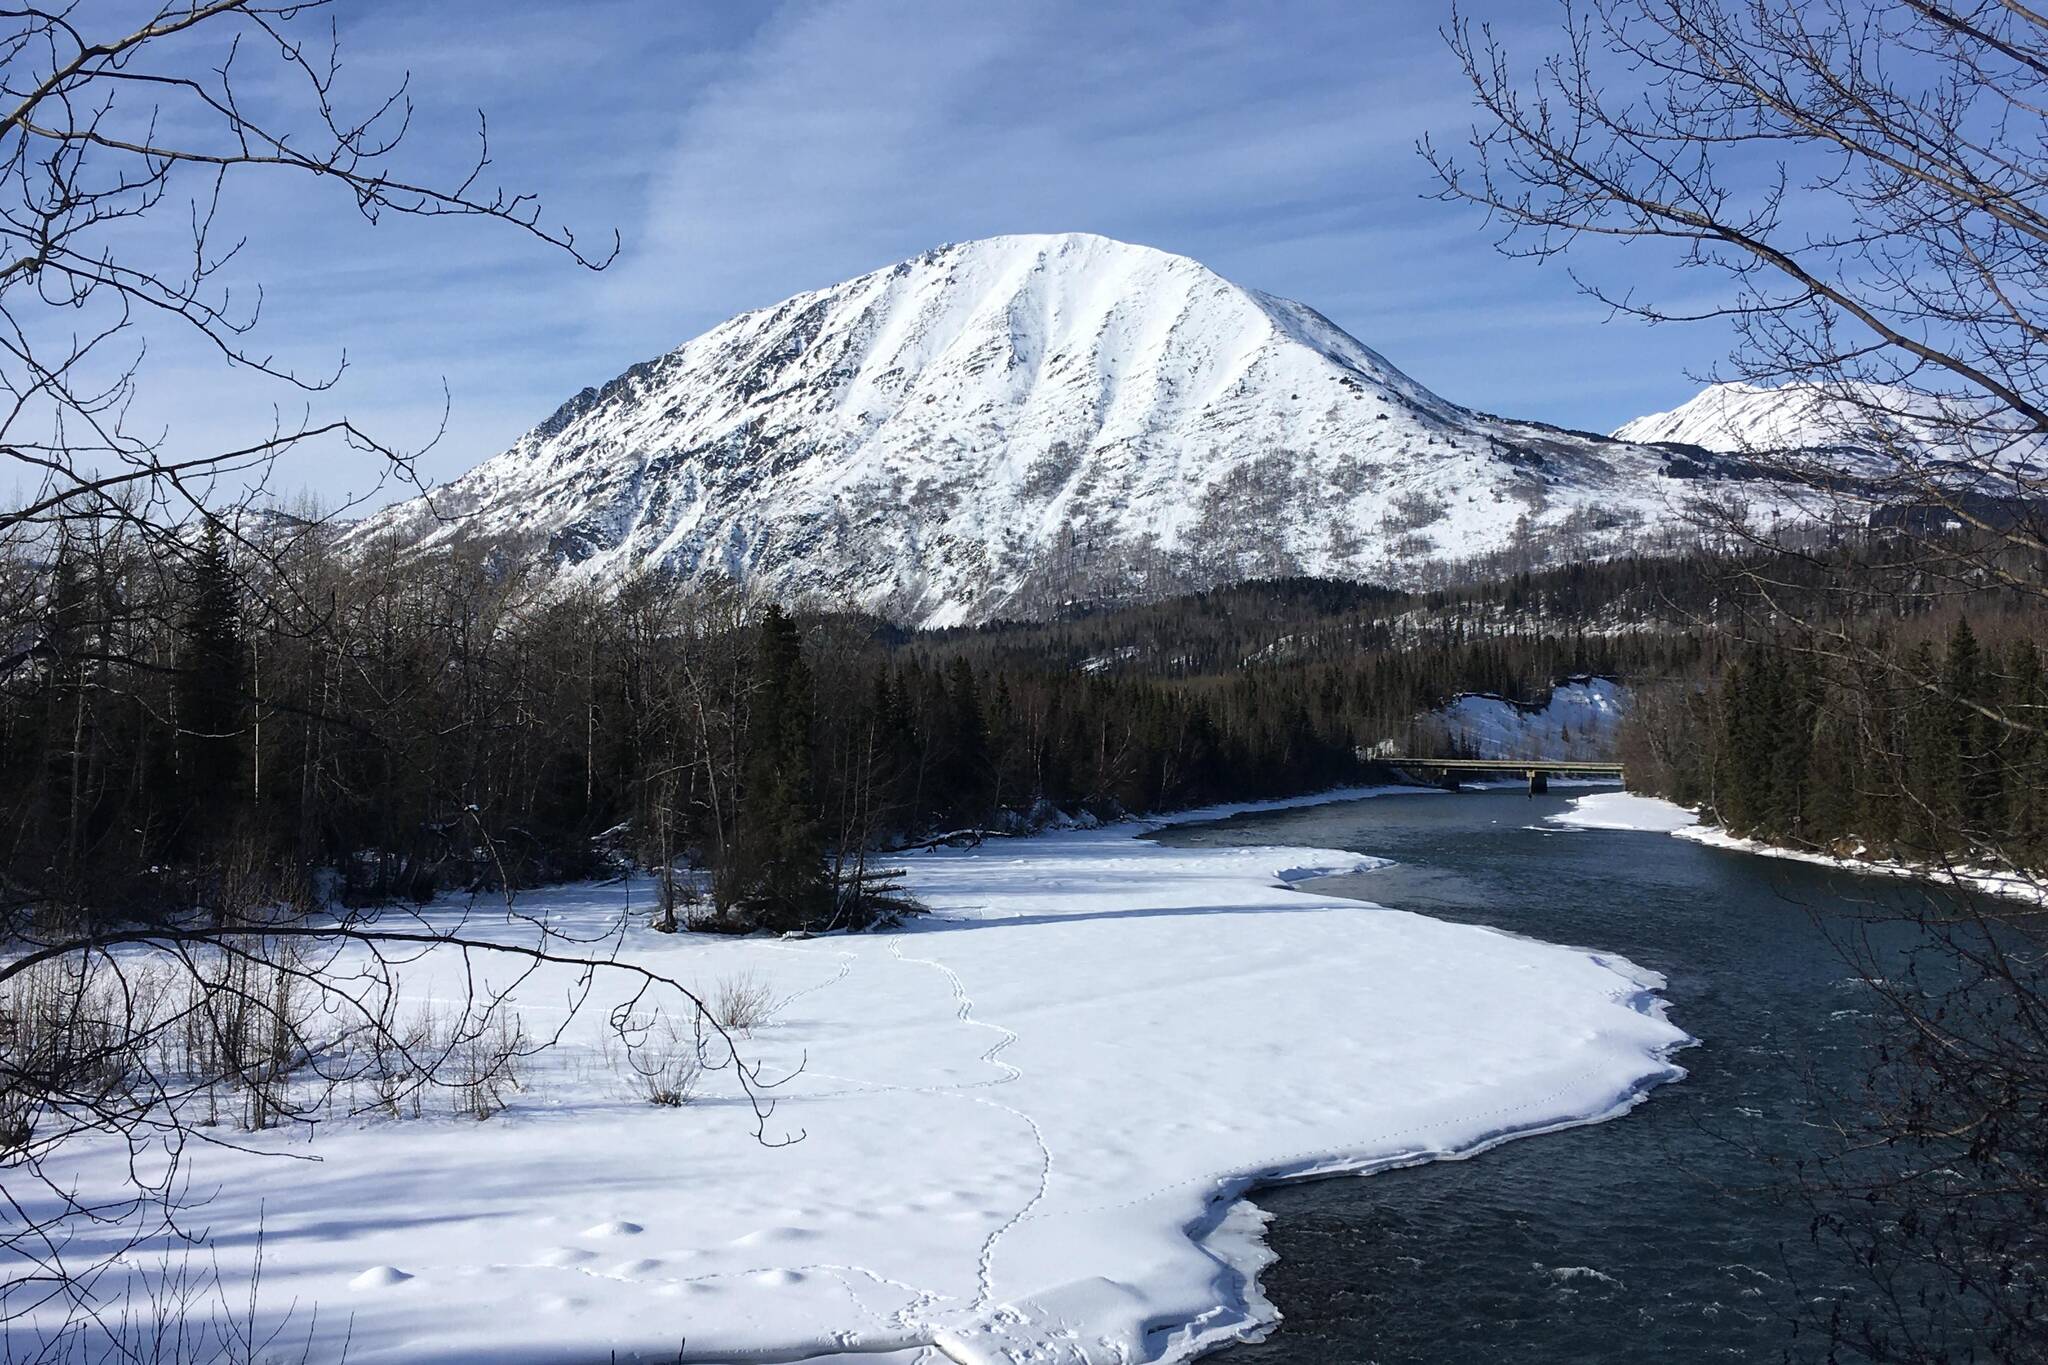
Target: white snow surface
(994,426)
(1026,1123)
(1871,418)
(1739,416)
(1989,881)
(1579,719)
(1625,810)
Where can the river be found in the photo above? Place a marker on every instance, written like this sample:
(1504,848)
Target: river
(1658,1236)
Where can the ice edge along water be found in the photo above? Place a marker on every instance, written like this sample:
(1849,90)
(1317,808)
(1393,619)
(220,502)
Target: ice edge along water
(1231,1226)
(1627,811)
(1983,880)
(1030,1121)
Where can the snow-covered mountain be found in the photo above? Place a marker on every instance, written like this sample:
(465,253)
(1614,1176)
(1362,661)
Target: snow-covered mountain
(1737,417)
(1863,428)
(1580,719)
(995,427)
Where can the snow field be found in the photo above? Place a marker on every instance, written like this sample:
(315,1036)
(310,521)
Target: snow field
(1024,1123)
(1625,810)
(1740,417)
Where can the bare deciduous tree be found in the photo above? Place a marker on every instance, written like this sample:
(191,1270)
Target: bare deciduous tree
(1859,193)
(106,130)
(124,133)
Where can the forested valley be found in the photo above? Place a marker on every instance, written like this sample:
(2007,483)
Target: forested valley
(258,719)
(262,719)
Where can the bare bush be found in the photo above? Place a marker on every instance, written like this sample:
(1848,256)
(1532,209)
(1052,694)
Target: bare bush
(487,1064)
(662,1063)
(743,1002)
(186,1310)
(235,1038)
(66,1044)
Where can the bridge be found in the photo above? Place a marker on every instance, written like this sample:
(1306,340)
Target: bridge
(1539,770)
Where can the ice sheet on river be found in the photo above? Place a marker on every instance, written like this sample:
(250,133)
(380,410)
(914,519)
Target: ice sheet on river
(1625,810)
(1025,1123)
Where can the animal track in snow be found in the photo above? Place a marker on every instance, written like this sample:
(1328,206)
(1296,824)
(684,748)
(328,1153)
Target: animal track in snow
(633,1270)
(964,1012)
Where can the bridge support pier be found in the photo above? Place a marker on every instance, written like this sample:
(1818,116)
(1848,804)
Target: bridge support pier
(1539,782)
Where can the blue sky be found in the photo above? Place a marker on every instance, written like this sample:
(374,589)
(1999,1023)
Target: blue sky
(748,152)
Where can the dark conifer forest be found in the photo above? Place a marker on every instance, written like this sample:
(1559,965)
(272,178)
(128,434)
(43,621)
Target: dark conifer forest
(271,718)
(1790,747)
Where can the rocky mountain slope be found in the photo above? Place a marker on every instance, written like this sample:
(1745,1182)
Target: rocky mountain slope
(996,427)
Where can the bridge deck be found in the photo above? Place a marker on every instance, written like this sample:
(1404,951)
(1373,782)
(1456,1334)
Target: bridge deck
(1553,765)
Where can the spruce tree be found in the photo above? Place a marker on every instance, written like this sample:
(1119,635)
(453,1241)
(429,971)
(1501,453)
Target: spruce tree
(1791,719)
(2025,755)
(967,765)
(1729,795)
(68,719)
(1930,771)
(1875,759)
(775,871)
(1830,809)
(1962,680)
(210,695)
(894,750)
(1005,765)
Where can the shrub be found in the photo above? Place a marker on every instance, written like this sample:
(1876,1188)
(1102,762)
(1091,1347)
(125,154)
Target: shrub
(742,1003)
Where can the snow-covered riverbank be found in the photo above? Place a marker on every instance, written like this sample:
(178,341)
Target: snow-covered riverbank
(1625,810)
(1989,881)
(1025,1121)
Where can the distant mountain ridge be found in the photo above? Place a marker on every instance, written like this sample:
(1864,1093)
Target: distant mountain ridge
(1737,417)
(1864,429)
(997,427)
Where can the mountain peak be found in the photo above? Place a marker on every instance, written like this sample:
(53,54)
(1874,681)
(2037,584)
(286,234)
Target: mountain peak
(1050,241)
(1053,245)
(1856,427)
(1735,415)
(1002,425)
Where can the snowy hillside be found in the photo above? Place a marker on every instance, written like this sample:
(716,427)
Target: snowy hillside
(1735,417)
(998,426)
(1871,418)
(1579,720)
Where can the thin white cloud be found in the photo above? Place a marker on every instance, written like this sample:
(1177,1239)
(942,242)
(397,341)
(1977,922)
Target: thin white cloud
(750,152)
